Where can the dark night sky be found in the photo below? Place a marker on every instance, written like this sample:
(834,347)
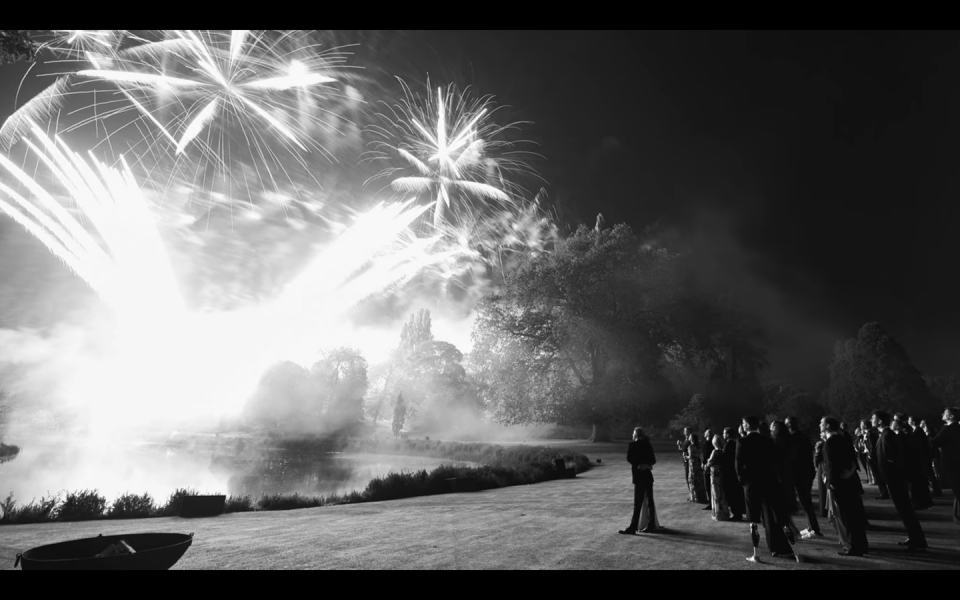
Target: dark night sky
(820,169)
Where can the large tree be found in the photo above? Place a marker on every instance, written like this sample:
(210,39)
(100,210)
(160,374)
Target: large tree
(577,335)
(874,371)
(430,375)
(340,384)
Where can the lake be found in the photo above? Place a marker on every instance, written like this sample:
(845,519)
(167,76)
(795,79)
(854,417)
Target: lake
(160,468)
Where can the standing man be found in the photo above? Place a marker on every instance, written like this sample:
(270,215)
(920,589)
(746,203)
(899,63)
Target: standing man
(923,445)
(682,446)
(732,487)
(890,460)
(705,451)
(641,458)
(755,470)
(873,438)
(948,442)
(840,469)
(804,472)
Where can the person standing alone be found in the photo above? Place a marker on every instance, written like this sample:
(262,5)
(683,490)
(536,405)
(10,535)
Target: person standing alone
(641,458)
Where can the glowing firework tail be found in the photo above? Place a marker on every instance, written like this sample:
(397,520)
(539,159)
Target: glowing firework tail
(169,359)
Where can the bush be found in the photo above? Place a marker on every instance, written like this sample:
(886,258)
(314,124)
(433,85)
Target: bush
(132,506)
(289,502)
(35,512)
(82,506)
(238,504)
(175,503)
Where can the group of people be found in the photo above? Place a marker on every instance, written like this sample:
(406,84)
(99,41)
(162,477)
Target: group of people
(759,474)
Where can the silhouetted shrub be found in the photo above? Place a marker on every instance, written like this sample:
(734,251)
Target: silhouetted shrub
(132,506)
(82,506)
(175,502)
(238,504)
(289,502)
(35,512)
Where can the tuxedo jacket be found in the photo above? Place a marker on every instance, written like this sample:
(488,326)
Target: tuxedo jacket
(890,457)
(948,441)
(803,456)
(755,459)
(639,453)
(838,458)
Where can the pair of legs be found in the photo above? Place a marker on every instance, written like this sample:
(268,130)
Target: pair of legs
(851,520)
(901,501)
(642,491)
(764,504)
(804,486)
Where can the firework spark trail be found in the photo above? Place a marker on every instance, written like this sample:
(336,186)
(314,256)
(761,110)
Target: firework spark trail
(175,360)
(455,149)
(210,101)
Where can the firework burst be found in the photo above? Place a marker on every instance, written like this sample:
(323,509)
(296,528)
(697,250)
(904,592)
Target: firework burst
(234,114)
(456,151)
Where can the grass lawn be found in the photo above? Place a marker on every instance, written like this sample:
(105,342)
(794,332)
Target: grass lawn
(564,524)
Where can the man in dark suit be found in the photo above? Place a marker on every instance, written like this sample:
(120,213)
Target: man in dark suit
(804,472)
(873,437)
(948,442)
(840,469)
(756,472)
(731,486)
(705,451)
(890,460)
(641,458)
(923,443)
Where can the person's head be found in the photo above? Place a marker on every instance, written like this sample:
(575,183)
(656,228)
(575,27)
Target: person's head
(829,425)
(694,440)
(950,414)
(718,442)
(857,432)
(864,425)
(899,417)
(880,418)
(728,433)
(708,435)
(843,427)
(912,421)
(793,424)
(686,432)
(639,434)
(751,423)
(777,428)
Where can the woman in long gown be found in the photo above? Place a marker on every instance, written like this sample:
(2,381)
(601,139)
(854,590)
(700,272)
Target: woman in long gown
(697,492)
(649,508)
(718,496)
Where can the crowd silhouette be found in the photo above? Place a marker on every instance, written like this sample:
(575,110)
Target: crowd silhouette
(764,474)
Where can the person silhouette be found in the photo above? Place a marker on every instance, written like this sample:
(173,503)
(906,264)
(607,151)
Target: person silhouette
(641,457)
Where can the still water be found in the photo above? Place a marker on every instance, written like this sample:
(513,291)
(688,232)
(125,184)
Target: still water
(160,468)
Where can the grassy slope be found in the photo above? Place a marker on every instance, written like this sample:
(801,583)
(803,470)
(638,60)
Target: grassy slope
(566,524)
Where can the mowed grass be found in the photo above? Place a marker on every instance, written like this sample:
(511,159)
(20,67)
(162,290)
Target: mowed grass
(564,524)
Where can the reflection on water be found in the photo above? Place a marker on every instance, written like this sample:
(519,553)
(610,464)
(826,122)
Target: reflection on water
(43,470)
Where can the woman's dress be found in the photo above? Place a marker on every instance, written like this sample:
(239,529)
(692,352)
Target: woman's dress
(697,492)
(718,496)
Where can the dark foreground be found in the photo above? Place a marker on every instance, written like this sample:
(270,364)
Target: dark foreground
(565,524)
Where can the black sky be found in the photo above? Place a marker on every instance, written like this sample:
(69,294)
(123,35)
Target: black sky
(825,164)
(820,169)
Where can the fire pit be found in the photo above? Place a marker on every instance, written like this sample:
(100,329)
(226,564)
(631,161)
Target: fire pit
(150,552)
